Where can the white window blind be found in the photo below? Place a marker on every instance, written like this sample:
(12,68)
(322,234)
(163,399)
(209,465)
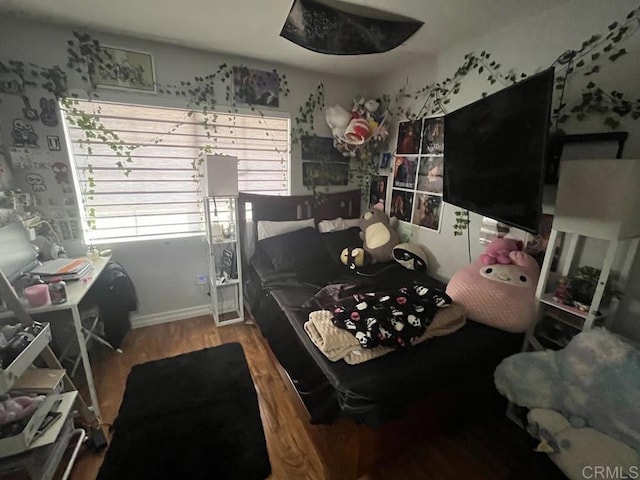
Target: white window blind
(158,196)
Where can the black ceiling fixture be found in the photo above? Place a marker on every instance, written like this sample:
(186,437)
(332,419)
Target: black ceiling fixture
(339,28)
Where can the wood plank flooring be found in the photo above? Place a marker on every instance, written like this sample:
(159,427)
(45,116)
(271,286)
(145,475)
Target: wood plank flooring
(489,448)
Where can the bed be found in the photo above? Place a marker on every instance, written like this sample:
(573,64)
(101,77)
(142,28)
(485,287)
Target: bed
(280,300)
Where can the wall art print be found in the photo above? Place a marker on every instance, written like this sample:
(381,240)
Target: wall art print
(256,87)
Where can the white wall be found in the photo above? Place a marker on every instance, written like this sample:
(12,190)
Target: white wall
(530,46)
(164,271)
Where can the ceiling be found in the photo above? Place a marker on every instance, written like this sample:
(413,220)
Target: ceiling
(251,28)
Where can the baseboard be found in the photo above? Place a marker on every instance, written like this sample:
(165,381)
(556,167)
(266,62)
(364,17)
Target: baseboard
(139,321)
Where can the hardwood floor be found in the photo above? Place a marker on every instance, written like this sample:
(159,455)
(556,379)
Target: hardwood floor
(490,448)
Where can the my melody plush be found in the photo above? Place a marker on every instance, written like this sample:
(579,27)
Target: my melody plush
(501,295)
(378,235)
(583,399)
(13,409)
(498,251)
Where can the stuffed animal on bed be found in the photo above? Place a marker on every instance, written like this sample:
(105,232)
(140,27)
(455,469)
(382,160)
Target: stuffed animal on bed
(592,384)
(498,295)
(378,235)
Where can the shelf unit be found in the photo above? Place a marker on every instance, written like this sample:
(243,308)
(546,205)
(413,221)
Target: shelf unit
(27,453)
(225,265)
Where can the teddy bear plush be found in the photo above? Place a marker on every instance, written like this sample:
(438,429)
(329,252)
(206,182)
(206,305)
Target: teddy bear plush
(499,295)
(13,409)
(378,235)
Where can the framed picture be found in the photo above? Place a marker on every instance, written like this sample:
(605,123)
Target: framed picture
(404,172)
(433,136)
(256,87)
(129,70)
(320,149)
(324,174)
(430,174)
(409,134)
(427,211)
(378,190)
(385,161)
(401,204)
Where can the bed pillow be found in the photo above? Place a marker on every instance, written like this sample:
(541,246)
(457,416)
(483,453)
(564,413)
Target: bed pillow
(337,224)
(335,242)
(268,229)
(294,251)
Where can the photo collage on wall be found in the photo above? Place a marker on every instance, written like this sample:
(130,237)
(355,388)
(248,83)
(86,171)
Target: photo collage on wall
(417,173)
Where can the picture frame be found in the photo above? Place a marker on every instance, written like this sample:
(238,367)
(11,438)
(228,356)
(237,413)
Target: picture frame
(315,148)
(321,174)
(133,60)
(427,211)
(256,87)
(385,161)
(378,190)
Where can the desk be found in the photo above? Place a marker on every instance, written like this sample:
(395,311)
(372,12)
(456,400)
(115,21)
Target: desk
(76,290)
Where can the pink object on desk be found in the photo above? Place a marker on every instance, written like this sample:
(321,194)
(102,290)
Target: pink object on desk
(37,295)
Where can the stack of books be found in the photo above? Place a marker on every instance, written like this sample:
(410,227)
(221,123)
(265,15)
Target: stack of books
(65,268)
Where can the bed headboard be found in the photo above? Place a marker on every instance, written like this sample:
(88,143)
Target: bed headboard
(297,207)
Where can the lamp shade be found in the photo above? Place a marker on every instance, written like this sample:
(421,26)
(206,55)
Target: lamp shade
(599,198)
(220,176)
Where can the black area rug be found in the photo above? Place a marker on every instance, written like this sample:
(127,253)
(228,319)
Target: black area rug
(194,416)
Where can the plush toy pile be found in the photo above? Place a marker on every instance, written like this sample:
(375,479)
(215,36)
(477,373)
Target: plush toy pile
(360,131)
(584,400)
(498,289)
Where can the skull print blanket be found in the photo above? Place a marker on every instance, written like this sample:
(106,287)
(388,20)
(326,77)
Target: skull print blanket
(337,344)
(395,319)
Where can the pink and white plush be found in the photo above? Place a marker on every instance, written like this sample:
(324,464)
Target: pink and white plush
(498,251)
(499,295)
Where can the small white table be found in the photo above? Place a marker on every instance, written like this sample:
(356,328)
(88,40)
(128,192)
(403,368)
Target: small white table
(76,290)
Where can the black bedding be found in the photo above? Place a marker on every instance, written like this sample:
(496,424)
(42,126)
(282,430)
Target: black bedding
(372,391)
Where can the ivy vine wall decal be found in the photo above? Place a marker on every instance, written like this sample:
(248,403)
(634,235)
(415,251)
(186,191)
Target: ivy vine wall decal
(85,57)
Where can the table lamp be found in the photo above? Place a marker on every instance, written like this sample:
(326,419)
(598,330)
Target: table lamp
(599,198)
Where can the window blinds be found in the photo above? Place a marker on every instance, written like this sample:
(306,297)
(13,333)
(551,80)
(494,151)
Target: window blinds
(155,195)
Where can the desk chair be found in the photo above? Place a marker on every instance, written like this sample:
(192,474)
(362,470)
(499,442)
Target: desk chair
(90,319)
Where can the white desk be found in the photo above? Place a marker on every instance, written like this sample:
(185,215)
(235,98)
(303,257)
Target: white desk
(76,290)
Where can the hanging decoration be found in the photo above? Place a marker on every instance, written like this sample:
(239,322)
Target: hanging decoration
(339,28)
(361,132)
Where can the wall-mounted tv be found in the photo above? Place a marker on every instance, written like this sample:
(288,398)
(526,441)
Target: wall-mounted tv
(495,152)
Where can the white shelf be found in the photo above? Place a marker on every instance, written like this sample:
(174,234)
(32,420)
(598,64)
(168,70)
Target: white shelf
(224,255)
(547,299)
(9,375)
(51,434)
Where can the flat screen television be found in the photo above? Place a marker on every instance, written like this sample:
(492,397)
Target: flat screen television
(495,153)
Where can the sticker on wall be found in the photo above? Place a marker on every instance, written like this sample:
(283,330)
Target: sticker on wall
(29,113)
(21,158)
(23,134)
(48,116)
(67,189)
(11,83)
(61,172)
(64,229)
(72,213)
(75,230)
(68,202)
(40,164)
(36,181)
(53,202)
(53,142)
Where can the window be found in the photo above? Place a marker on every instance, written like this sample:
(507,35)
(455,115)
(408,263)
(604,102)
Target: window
(155,194)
